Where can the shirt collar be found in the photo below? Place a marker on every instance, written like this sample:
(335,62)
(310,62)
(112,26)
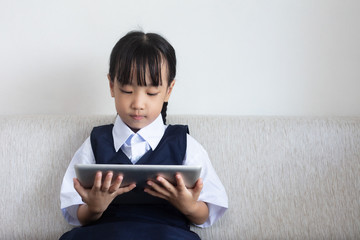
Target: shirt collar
(152,133)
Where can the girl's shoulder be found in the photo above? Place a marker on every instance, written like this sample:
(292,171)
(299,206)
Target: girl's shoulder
(194,147)
(178,128)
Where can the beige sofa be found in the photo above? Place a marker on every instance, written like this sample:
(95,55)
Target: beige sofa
(286,177)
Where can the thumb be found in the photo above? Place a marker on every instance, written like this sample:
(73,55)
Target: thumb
(198,187)
(80,189)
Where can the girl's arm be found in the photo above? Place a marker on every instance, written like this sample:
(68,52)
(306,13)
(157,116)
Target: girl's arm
(85,216)
(98,198)
(213,192)
(185,200)
(200,213)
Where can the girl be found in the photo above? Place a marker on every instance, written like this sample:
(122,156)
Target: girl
(141,79)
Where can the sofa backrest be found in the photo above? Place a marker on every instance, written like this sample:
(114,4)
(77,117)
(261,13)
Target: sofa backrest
(286,177)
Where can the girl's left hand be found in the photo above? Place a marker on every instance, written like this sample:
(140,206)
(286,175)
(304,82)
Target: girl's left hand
(184,199)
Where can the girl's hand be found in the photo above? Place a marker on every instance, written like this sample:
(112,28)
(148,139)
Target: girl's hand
(184,199)
(99,197)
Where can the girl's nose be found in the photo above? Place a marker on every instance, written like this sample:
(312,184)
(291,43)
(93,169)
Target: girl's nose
(138,102)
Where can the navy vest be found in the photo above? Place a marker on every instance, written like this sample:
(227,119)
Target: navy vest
(170,151)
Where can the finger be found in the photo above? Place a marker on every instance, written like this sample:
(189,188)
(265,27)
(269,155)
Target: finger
(80,189)
(116,185)
(164,187)
(107,182)
(155,194)
(166,184)
(180,185)
(126,189)
(198,187)
(97,181)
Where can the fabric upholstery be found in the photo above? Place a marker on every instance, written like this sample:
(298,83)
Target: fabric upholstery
(286,177)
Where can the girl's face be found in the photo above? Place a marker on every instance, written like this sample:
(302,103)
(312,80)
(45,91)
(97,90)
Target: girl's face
(138,106)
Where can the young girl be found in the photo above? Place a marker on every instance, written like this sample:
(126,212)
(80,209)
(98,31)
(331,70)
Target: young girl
(141,79)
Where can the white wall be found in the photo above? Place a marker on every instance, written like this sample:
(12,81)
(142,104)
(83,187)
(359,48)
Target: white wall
(279,57)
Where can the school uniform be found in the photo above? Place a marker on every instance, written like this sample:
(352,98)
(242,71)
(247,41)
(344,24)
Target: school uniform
(153,144)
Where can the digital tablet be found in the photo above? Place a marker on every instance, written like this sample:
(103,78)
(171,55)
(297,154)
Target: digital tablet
(138,174)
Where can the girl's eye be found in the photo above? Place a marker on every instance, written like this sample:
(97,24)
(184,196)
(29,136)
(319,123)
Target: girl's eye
(152,94)
(126,92)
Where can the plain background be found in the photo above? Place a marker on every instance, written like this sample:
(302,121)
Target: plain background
(245,57)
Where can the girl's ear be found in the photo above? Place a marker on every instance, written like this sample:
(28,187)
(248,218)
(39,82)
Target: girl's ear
(111,85)
(169,90)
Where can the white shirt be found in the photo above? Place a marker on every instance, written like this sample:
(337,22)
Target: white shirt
(134,145)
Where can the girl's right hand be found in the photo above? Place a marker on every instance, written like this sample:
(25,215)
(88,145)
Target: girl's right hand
(99,197)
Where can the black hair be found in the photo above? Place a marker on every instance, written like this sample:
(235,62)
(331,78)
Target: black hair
(138,53)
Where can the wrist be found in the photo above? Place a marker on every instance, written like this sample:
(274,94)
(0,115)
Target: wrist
(192,209)
(93,211)
(87,215)
(198,213)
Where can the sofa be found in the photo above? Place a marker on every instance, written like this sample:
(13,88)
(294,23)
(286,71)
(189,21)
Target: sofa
(286,177)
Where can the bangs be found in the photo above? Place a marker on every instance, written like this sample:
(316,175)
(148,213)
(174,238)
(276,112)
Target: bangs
(139,57)
(139,63)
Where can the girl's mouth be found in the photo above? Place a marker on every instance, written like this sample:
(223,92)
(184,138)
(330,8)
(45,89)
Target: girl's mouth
(137,117)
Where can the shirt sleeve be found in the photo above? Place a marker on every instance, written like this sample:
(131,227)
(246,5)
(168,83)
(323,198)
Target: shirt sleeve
(69,198)
(213,192)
